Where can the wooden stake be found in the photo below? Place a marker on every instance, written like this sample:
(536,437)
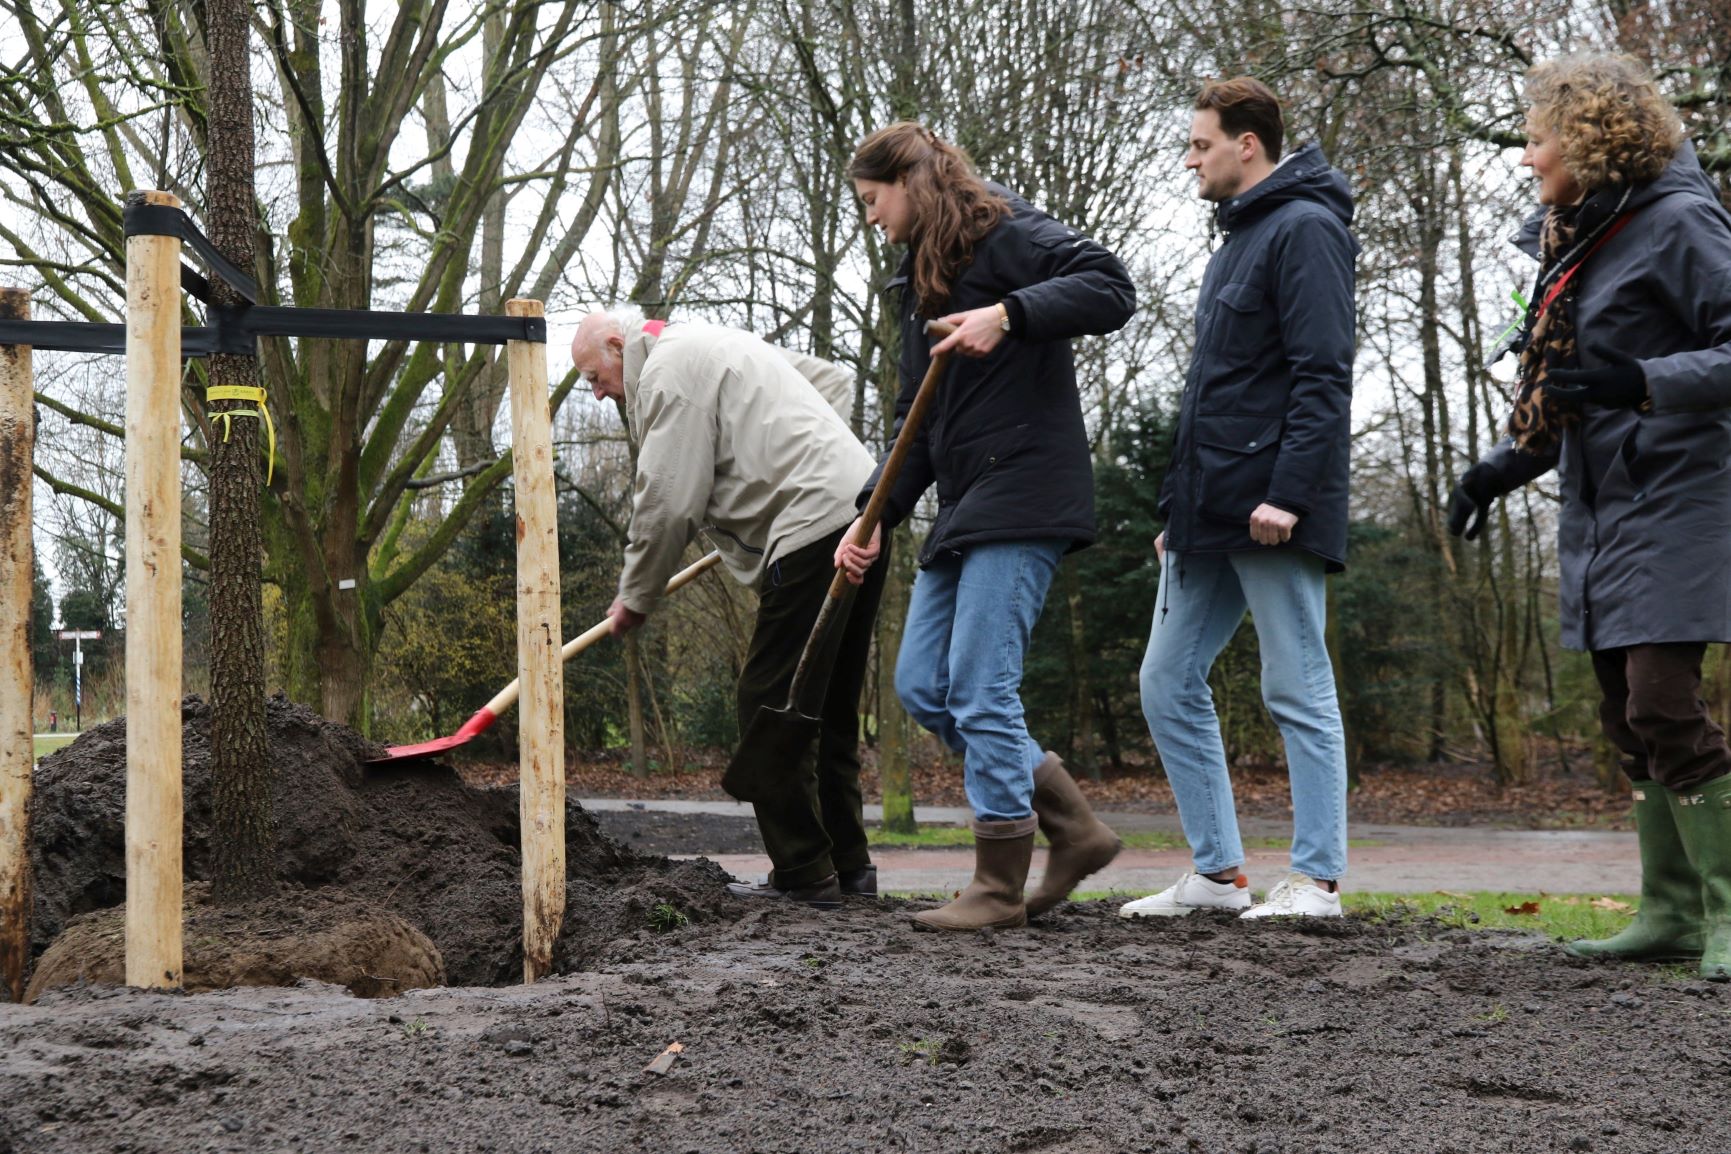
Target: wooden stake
(540,668)
(153,628)
(17,681)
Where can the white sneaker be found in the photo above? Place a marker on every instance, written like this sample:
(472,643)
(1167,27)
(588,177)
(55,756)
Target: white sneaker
(1192,891)
(1296,895)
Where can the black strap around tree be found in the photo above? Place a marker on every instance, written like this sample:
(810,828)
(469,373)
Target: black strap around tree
(236,330)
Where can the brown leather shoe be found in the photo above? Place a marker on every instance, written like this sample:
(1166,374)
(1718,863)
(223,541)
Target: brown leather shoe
(1081,843)
(862,883)
(1002,851)
(823,894)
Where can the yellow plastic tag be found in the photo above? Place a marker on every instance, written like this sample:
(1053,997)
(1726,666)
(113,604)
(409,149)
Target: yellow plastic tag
(257,396)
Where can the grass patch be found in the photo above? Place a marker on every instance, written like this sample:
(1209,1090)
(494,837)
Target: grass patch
(1556,915)
(47,744)
(960,837)
(1566,916)
(922,1050)
(665,917)
(925,837)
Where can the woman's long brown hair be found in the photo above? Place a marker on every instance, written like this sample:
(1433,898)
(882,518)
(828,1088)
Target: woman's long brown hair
(952,207)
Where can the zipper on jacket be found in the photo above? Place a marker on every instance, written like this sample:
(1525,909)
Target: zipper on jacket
(734,537)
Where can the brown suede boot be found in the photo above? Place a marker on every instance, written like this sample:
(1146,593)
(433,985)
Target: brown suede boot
(1081,843)
(1002,851)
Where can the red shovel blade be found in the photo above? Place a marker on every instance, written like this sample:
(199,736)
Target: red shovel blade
(481,722)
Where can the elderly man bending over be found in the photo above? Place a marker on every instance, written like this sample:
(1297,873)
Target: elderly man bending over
(735,439)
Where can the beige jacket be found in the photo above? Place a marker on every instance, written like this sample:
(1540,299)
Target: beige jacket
(735,440)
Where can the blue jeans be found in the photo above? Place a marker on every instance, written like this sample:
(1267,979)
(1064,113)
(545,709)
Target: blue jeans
(959,673)
(1201,601)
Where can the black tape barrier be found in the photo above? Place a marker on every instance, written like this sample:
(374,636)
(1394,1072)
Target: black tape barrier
(92,337)
(142,219)
(237,330)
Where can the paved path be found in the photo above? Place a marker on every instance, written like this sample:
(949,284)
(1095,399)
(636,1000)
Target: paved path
(1399,859)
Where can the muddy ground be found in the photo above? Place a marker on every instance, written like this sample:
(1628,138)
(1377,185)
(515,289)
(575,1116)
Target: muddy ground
(852,1031)
(806,1031)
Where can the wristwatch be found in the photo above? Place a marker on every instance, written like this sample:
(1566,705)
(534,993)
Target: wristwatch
(1003,316)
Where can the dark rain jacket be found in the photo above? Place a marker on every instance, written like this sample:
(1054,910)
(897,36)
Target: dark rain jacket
(1004,440)
(1644,534)
(1266,411)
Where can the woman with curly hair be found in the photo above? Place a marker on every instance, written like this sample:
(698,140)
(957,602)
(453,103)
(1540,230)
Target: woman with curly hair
(1005,446)
(1625,389)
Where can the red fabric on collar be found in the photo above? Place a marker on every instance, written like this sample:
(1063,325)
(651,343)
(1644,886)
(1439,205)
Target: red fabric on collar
(653,328)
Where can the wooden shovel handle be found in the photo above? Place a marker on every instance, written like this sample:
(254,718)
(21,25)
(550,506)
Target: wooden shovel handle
(507,697)
(868,520)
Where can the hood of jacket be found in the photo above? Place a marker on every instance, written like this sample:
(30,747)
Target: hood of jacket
(1684,176)
(1303,175)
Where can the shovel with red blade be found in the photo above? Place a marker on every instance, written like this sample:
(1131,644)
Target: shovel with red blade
(484,717)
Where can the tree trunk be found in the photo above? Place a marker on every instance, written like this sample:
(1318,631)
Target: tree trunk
(895,778)
(242,778)
(1082,695)
(472,426)
(634,700)
(1354,747)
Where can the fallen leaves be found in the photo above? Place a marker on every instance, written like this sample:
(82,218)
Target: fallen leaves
(663,1062)
(1600,903)
(1449,795)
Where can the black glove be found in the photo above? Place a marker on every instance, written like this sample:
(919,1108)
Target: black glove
(1471,498)
(1619,383)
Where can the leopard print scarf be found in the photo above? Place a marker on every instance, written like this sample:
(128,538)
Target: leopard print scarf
(1569,235)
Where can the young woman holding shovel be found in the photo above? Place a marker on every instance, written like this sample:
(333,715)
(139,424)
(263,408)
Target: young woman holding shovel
(1625,390)
(1005,445)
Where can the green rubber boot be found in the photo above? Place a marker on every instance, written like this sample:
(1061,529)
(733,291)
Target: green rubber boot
(1704,820)
(1668,926)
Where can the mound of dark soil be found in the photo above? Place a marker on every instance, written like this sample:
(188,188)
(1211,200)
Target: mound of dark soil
(326,934)
(410,839)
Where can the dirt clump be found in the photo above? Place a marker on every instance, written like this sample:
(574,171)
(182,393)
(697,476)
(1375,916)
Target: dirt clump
(409,839)
(325,934)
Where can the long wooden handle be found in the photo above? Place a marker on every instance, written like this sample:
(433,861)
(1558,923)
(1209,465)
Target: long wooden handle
(507,697)
(868,520)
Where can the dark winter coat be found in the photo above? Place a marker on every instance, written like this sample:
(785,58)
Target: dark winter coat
(1644,533)
(1266,412)
(1004,440)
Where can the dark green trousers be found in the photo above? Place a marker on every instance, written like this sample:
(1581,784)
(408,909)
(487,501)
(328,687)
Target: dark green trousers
(812,826)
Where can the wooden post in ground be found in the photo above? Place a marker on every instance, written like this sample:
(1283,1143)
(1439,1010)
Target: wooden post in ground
(540,667)
(153,628)
(17,678)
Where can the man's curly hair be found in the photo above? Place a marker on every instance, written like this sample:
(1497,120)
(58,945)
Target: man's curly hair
(1611,122)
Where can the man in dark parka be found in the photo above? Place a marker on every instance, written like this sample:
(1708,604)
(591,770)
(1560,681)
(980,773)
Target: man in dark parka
(1255,502)
(1642,395)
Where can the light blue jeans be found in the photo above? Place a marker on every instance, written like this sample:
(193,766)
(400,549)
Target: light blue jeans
(959,673)
(1201,601)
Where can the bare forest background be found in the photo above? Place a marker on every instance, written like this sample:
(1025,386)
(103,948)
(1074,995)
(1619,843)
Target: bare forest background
(689,157)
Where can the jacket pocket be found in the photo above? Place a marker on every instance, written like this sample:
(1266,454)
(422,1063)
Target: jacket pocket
(1242,326)
(1241,312)
(964,461)
(1235,455)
